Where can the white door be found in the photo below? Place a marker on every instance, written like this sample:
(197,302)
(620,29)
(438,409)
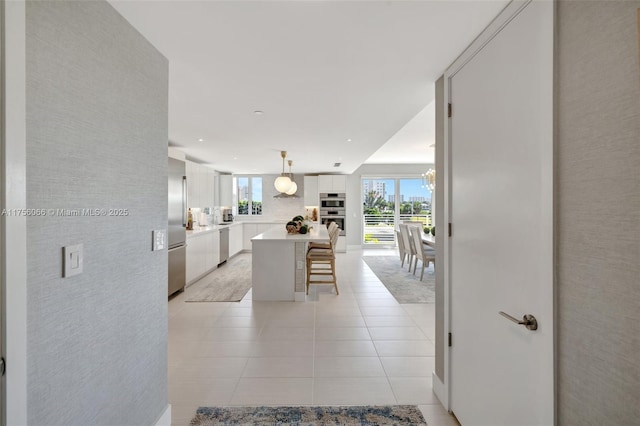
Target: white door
(501,189)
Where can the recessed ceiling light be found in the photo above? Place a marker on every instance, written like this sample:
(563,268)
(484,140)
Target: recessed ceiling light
(235,158)
(200,140)
(348,140)
(258,112)
(337,164)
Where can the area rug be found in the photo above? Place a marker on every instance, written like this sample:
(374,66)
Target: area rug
(228,283)
(402,284)
(400,415)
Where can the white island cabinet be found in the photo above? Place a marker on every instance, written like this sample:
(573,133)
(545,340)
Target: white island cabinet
(279,262)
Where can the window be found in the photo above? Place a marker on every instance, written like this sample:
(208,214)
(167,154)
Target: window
(249,191)
(388,201)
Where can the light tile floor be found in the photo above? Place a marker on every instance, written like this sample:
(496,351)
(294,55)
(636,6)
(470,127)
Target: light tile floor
(358,348)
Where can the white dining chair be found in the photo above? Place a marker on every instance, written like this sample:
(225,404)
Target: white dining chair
(405,233)
(421,254)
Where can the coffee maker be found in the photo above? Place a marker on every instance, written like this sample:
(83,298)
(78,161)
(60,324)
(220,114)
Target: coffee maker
(227,216)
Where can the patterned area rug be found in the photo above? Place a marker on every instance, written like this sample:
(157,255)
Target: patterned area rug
(402,284)
(229,283)
(400,415)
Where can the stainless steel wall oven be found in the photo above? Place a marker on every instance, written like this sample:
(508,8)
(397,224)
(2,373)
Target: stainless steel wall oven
(334,215)
(332,200)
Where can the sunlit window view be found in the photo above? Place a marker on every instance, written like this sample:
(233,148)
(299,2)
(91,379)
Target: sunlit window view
(249,192)
(388,201)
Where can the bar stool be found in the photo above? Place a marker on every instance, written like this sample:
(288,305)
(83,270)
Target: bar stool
(322,262)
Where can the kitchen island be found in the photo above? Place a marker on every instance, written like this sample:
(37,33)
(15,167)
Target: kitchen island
(279,261)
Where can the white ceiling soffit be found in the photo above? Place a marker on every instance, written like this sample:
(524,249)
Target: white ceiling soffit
(413,144)
(322,72)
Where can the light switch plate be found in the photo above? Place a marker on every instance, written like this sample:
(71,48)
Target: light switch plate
(159,237)
(72,260)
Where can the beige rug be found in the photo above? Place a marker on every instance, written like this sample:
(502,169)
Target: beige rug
(229,283)
(402,284)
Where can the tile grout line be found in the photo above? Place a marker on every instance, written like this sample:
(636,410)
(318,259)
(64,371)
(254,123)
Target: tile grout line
(376,348)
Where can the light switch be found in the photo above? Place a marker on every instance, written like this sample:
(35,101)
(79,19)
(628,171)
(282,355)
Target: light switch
(72,260)
(159,237)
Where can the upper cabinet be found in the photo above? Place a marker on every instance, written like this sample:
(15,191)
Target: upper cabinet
(311,190)
(332,183)
(225,188)
(200,185)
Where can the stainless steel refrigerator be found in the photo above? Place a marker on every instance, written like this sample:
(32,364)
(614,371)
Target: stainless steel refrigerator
(177,225)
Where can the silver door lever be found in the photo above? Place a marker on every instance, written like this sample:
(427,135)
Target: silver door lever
(528,320)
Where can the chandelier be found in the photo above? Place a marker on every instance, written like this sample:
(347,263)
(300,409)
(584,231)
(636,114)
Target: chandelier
(283,182)
(429,180)
(294,187)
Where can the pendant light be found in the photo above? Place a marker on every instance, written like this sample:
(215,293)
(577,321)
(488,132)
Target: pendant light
(283,182)
(294,186)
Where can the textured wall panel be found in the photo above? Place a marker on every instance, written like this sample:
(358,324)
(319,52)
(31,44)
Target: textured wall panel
(96,138)
(598,213)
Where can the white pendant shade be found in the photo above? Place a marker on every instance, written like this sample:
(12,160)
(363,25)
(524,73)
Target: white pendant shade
(293,189)
(282,183)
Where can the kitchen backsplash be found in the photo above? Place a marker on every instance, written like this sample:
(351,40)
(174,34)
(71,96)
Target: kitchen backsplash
(273,209)
(279,208)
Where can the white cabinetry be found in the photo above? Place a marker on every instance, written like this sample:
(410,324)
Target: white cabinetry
(200,183)
(332,183)
(225,188)
(203,254)
(212,255)
(235,239)
(311,190)
(191,184)
(249,230)
(209,177)
(196,264)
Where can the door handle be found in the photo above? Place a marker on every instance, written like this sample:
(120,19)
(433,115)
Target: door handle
(528,320)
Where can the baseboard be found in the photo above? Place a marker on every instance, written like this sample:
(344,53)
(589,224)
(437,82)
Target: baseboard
(165,418)
(440,390)
(300,296)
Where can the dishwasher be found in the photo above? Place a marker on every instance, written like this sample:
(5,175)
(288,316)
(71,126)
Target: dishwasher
(224,245)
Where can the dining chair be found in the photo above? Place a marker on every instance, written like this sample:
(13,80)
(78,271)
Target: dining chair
(401,250)
(322,262)
(421,254)
(405,233)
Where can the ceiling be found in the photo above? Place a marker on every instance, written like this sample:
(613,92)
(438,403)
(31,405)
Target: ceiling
(334,80)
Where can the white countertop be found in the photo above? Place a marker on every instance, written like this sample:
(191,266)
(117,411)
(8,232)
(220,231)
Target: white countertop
(201,230)
(317,234)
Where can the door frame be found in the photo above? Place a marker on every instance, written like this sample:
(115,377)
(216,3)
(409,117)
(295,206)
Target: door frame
(510,11)
(3,321)
(14,231)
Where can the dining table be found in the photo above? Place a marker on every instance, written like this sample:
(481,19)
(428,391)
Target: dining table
(429,240)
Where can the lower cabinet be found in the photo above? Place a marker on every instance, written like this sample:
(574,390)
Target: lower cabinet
(252,229)
(235,239)
(203,255)
(248,232)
